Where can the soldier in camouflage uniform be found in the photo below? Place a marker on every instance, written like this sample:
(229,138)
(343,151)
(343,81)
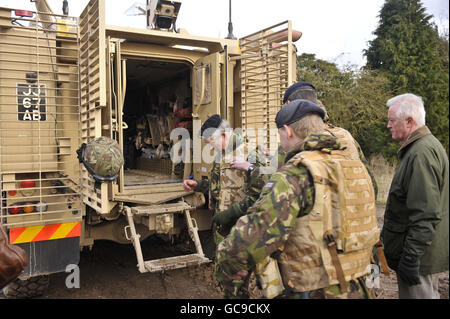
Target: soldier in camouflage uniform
(299,90)
(316,216)
(227,186)
(307,91)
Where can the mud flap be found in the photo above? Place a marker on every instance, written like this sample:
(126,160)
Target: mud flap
(50,256)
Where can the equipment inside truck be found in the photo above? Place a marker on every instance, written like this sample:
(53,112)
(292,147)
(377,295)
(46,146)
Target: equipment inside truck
(158,99)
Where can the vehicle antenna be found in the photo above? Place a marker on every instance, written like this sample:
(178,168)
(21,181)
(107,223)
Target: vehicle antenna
(230,25)
(65,7)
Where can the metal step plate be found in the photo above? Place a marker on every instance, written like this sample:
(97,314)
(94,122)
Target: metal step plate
(160,209)
(175,262)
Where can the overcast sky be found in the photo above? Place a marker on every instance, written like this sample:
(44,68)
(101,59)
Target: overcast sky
(335,31)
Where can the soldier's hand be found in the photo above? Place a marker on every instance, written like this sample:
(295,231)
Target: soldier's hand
(227,217)
(221,218)
(241,275)
(189,185)
(240,164)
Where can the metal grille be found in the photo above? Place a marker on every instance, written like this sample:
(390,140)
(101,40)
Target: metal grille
(265,75)
(39,119)
(93,91)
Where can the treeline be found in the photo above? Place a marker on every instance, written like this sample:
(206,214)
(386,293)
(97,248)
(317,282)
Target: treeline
(407,55)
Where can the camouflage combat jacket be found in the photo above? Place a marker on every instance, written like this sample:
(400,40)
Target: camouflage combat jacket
(258,179)
(288,195)
(241,191)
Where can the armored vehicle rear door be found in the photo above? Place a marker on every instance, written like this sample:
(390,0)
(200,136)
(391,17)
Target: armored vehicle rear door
(94,107)
(208,98)
(268,68)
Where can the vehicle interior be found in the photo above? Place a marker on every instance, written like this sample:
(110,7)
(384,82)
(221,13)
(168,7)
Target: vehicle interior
(158,99)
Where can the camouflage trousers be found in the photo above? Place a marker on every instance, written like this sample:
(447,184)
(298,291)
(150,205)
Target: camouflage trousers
(231,288)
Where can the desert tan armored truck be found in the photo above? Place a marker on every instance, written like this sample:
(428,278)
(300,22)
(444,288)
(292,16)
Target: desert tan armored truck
(67,80)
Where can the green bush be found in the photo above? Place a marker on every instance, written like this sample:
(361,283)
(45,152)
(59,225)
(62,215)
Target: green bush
(355,100)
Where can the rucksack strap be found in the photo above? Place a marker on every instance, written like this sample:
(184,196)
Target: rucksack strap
(382,258)
(332,248)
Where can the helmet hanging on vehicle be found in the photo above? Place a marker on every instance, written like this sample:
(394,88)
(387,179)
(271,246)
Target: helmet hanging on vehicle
(102,158)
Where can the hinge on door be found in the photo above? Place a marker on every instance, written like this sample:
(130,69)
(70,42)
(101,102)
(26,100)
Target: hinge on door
(112,47)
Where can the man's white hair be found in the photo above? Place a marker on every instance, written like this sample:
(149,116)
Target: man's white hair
(409,105)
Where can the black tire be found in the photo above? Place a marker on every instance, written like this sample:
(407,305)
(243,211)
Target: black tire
(29,288)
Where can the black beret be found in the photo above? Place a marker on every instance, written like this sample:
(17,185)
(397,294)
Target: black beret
(295,110)
(212,122)
(295,86)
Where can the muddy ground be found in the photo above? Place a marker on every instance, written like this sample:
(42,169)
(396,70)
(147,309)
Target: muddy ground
(109,271)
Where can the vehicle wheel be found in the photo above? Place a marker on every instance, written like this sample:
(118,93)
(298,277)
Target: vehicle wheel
(28,288)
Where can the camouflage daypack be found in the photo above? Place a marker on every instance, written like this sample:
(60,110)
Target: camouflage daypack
(102,158)
(333,243)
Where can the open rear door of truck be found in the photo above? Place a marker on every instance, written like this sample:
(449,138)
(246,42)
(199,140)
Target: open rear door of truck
(268,66)
(207,99)
(93,87)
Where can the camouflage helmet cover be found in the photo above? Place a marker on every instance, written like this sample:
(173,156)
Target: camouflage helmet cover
(103,158)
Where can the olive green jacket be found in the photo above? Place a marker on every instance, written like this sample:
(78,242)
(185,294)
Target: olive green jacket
(416,216)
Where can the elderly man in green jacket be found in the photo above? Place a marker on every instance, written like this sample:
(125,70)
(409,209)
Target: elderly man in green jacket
(415,230)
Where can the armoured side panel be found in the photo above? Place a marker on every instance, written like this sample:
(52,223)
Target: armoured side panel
(267,69)
(39,131)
